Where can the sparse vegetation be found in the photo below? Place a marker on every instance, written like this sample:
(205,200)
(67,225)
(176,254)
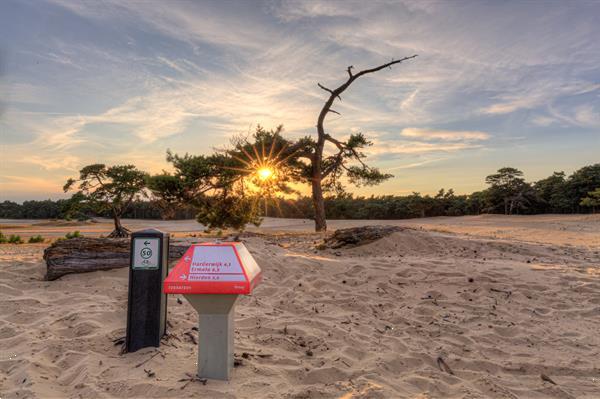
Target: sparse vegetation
(75,234)
(35,239)
(14,239)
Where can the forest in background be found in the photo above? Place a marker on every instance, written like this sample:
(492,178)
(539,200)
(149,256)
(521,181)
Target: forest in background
(508,193)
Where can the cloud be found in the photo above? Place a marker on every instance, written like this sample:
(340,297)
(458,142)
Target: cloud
(543,120)
(60,162)
(512,104)
(416,164)
(60,133)
(294,10)
(180,21)
(418,147)
(541,94)
(22,92)
(168,110)
(583,116)
(435,83)
(444,135)
(588,115)
(137,78)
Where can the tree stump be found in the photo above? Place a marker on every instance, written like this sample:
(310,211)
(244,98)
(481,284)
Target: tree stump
(81,255)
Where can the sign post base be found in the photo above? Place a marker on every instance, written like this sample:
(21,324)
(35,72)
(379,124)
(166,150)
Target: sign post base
(215,334)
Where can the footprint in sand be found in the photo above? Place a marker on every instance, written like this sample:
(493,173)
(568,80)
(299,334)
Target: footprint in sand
(82,329)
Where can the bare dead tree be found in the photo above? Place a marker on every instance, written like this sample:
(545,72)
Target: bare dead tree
(347,150)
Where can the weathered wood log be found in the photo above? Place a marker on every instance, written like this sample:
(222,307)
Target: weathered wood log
(356,236)
(81,255)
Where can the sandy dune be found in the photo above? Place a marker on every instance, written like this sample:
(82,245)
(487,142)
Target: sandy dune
(501,300)
(580,230)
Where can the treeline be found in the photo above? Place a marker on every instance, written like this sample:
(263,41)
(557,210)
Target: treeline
(508,193)
(64,209)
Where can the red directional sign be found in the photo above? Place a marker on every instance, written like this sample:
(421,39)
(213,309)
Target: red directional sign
(214,268)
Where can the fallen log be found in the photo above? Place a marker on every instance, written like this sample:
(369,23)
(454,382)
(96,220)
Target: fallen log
(81,255)
(357,236)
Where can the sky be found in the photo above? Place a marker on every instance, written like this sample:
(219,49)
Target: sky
(495,83)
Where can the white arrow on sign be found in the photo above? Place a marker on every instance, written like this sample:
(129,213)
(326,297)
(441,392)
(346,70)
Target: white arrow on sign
(187,259)
(183,277)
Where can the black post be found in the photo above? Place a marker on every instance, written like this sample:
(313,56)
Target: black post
(147,305)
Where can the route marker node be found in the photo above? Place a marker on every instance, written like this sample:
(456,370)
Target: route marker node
(211,276)
(146,304)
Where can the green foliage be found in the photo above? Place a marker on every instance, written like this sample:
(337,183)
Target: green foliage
(553,193)
(169,187)
(509,191)
(167,190)
(77,207)
(592,200)
(195,177)
(581,182)
(15,239)
(112,189)
(358,140)
(365,175)
(3,238)
(507,177)
(229,212)
(61,209)
(266,148)
(46,209)
(75,234)
(346,206)
(35,239)
(223,187)
(346,162)
(557,193)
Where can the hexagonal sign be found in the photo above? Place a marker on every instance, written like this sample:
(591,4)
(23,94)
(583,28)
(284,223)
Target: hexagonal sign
(214,268)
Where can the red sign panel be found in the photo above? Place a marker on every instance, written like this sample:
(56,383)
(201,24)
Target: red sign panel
(223,268)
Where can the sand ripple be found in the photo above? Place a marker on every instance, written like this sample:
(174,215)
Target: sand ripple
(369,322)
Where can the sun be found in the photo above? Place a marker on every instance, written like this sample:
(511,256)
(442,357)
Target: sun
(263,166)
(265,173)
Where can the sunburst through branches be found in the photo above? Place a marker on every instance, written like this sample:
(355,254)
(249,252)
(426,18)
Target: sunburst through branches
(263,167)
(264,174)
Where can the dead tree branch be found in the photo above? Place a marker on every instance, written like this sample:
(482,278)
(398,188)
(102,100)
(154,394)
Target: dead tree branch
(317,167)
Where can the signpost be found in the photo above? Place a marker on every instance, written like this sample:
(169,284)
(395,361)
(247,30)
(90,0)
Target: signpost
(147,305)
(211,276)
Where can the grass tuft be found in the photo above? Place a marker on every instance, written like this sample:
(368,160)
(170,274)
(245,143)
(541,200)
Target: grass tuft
(75,234)
(35,239)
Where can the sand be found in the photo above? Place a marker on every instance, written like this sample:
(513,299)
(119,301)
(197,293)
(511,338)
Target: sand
(501,300)
(580,230)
